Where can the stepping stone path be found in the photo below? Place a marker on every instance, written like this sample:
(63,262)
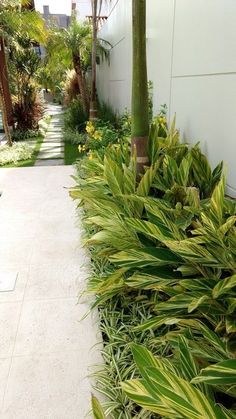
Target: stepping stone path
(52,149)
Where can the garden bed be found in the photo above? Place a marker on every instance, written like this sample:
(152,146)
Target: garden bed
(164,276)
(21,154)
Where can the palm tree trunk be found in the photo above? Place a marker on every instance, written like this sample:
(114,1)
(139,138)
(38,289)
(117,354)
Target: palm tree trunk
(93,100)
(4,116)
(139,108)
(81,83)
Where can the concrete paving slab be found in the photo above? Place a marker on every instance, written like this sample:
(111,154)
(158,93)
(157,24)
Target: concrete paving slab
(9,319)
(51,144)
(46,387)
(46,350)
(5,364)
(50,162)
(51,155)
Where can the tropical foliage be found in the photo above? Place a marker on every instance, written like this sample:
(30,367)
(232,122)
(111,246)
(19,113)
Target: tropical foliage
(163,252)
(24,65)
(21,29)
(71,49)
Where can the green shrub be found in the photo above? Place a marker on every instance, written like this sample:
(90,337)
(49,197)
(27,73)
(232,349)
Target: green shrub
(124,124)
(24,135)
(168,243)
(99,135)
(106,113)
(74,137)
(74,116)
(19,151)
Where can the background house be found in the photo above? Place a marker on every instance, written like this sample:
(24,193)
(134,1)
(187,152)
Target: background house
(58,19)
(191,48)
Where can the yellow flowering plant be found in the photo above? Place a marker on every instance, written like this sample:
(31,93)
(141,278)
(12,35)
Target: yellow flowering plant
(82,148)
(90,128)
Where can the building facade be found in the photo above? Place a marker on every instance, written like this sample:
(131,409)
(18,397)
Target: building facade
(191,49)
(57,19)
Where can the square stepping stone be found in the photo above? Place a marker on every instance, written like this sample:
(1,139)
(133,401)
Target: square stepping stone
(8,281)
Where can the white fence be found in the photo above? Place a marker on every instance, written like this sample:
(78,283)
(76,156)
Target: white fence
(192,64)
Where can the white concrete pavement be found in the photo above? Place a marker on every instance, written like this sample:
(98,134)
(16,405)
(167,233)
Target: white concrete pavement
(45,348)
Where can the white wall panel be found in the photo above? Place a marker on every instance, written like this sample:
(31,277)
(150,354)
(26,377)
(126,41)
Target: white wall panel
(191,51)
(206,110)
(160,15)
(204,37)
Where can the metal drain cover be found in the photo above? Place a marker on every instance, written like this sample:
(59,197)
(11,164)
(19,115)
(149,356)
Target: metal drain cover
(8,281)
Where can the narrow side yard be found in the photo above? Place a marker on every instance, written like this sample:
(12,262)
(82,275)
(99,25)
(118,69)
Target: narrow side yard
(45,350)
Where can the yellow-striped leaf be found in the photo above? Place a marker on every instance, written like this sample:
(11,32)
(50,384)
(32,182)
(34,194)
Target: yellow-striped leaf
(223,373)
(224,286)
(179,395)
(155,256)
(97,409)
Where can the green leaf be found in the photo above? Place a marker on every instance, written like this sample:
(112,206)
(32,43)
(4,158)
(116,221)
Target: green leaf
(231,324)
(228,225)
(222,373)
(114,176)
(161,277)
(212,338)
(137,390)
(155,256)
(97,409)
(150,229)
(224,286)
(183,172)
(217,202)
(145,183)
(196,302)
(189,367)
(156,322)
(144,359)
(179,395)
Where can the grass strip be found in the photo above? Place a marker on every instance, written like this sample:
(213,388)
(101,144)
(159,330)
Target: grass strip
(71,153)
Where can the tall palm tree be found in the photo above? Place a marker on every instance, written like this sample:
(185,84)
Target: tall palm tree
(96,6)
(93,101)
(139,108)
(74,45)
(16,21)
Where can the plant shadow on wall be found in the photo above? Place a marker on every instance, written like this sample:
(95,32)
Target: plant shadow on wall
(164,276)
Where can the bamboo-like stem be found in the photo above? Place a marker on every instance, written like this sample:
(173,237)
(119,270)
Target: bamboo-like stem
(93,100)
(139,108)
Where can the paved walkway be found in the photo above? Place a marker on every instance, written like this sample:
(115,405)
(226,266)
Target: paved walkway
(45,348)
(52,149)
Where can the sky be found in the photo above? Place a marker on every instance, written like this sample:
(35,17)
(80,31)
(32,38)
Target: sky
(55,6)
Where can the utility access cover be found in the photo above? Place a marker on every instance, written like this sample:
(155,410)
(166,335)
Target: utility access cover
(8,281)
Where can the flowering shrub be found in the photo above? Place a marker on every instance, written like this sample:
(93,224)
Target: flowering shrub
(19,151)
(99,135)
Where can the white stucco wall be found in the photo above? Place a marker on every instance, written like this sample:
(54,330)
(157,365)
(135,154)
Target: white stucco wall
(191,47)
